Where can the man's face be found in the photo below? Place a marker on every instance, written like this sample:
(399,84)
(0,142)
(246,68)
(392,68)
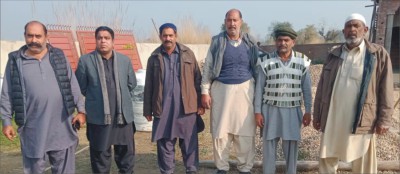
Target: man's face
(354,32)
(168,38)
(284,44)
(35,38)
(233,22)
(104,42)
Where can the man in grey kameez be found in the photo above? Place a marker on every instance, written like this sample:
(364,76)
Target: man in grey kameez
(42,91)
(107,79)
(283,79)
(172,97)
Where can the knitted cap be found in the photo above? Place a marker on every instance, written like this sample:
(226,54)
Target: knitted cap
(167,25)
(285,31)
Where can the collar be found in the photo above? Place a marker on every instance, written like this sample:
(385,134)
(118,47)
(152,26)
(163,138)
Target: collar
(360,47)
(290,56)
(176,50)
(25,56)
(371,47)
(238,40)
(111,58)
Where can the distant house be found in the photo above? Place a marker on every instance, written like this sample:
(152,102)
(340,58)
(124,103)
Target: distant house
(385,28)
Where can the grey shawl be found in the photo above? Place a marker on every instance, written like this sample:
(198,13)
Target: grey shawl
(100,70)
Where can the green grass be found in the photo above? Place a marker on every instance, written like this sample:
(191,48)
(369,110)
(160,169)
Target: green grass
(303,155)
(7,145)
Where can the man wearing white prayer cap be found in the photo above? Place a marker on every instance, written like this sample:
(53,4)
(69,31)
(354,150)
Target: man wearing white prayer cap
(362,72)
(356,16)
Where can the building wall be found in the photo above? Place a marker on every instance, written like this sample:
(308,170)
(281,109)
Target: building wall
(385,7)
(144,49)
(389,7)
(316,52)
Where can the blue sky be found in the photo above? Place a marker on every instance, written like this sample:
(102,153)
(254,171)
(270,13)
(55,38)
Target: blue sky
(137,15)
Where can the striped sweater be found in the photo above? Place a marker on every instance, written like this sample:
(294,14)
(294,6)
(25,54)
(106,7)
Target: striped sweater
(283,79)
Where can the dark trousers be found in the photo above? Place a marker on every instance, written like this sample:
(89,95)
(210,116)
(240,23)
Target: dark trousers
(166,154)
(124,158)
(61,161)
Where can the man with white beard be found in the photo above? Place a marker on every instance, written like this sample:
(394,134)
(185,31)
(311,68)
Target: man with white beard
(353,100)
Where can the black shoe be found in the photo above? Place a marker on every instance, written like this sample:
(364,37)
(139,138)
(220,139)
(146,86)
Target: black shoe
(191,172)
(244,172)
(222,172)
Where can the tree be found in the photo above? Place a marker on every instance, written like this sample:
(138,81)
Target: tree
(76,13)
(332,35)
(245,28)
(270,40)
(189,32)
(309,35)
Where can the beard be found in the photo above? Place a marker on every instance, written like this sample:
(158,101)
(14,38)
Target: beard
(354,41)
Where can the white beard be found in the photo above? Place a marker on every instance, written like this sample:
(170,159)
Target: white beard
(354,42)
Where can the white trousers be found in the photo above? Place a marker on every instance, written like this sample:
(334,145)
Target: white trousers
(365,164)
(244,146)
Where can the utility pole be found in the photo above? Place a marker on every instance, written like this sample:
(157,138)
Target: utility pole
(155,28)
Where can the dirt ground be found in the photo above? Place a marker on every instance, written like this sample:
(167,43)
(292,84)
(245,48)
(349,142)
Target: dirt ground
(145,162)
(145,159)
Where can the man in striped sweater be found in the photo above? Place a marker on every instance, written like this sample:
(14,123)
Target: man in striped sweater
(282,81)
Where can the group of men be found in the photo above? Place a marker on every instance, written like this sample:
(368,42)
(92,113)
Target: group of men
(41,91)
(241,89)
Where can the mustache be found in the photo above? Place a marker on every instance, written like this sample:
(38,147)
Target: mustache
(167,41)
(34,44)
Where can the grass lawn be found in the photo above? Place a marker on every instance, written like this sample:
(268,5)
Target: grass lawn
(6,145)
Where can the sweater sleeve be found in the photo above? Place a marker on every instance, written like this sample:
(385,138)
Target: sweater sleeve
(258,95)
(207,68)
(306,89)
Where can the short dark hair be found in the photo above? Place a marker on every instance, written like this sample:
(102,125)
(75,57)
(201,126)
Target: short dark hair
(232,10)
(167,25)
(104,28)
(35,22)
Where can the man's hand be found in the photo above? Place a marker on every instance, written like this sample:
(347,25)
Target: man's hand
(200,111)
(206,101)
(9,132)
(381,129)
(149,118)
(259,119)
(306,119)
(317,126)
(80,118)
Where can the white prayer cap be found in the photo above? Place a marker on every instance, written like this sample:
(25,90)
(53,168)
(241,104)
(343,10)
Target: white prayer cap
(356,16)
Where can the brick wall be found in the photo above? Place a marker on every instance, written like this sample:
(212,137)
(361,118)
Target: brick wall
(385,7)
(389,7)
(316,52)
(395,49)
